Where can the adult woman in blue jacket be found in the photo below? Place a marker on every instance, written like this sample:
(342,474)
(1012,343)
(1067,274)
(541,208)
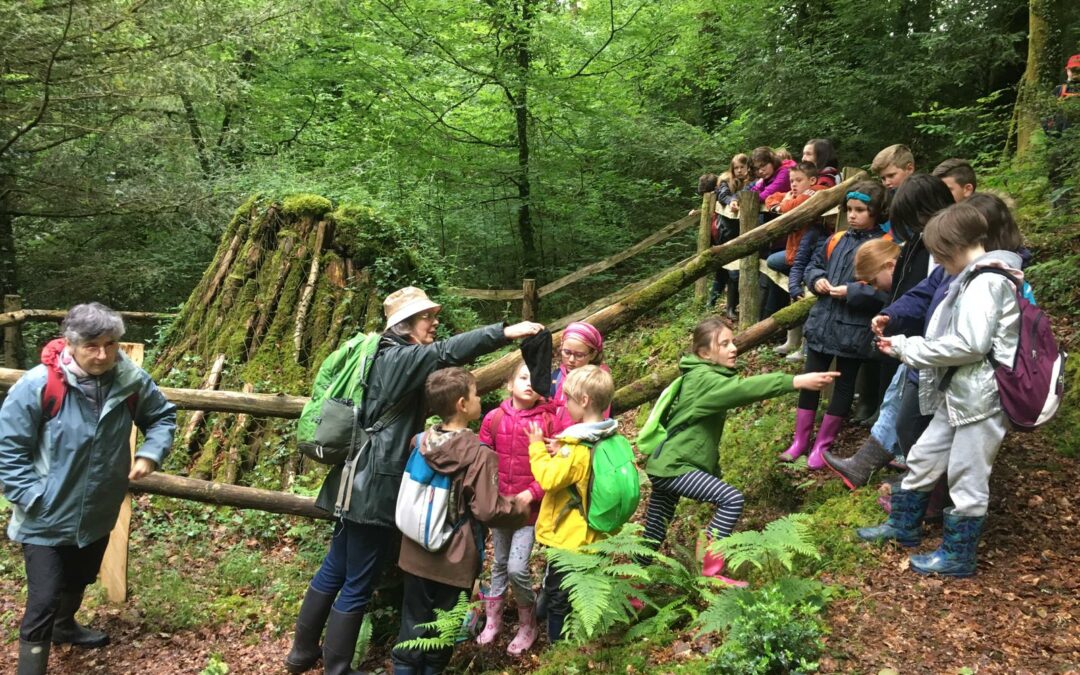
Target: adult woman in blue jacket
(65,463)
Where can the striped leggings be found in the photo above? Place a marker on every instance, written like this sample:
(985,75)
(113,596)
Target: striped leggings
(696,485)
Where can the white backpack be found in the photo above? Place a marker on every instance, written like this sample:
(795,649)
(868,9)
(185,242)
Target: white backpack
(426,503)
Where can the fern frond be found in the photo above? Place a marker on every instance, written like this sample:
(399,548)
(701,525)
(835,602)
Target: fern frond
(447,626)
(781,541)
(661,622)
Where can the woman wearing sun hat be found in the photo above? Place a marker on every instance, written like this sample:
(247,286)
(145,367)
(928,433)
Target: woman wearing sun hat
(366,536)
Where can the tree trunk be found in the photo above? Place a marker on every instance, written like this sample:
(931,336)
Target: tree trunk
(522,32)
(228,495)
(1038,79)
(9,277)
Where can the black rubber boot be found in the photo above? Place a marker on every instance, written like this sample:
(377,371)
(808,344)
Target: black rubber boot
(732,298)
(342,629)
(306,650)
(33,658)
(857,469)
(66,630)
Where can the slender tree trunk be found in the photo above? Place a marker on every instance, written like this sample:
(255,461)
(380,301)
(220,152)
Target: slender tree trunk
(522,34)
(1039,74)
(9,277)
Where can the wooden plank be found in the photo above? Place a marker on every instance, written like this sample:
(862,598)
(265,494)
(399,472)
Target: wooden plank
(660,235)
(487,293)
(115,563)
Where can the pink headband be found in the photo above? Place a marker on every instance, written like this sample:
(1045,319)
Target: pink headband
(587,333)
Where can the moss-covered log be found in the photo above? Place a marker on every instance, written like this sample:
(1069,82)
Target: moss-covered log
(649,387)
(679,277)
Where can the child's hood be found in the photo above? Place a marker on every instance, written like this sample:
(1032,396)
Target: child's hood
(1004,260)
(451,451)
(691,361)
(589,432)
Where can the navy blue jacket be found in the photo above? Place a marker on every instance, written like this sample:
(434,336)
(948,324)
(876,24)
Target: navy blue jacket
(840,326)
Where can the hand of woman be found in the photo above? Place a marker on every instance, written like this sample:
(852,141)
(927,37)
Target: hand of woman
(142,468)
(823,286)
(815,381)
(523,329)
(878,323)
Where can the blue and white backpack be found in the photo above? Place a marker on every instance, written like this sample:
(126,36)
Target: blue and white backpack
(426,502)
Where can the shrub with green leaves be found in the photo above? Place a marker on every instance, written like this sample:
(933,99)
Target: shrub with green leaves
(770,636)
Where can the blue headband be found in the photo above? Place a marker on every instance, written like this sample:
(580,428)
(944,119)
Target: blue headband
(861,196)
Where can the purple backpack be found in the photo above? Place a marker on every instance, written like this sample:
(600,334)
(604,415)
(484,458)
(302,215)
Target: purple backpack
(1032,389)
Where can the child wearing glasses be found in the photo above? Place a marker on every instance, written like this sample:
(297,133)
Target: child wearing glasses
(582,345)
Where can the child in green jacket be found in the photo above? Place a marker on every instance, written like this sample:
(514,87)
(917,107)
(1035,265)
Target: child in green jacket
(687,463)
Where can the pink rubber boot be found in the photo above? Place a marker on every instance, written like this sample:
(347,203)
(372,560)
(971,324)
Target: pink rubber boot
(826,435)
(804,426)
(713,564)
(493,620)
(527,631)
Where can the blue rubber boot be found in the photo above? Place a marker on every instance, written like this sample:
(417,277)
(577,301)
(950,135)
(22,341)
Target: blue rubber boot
(956,555)
(903,525)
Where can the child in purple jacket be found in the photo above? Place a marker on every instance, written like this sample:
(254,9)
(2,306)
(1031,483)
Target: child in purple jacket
(505,430)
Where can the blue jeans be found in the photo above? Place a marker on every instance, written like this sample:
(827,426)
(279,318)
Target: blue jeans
(884,430)
(352,565)
(778,262)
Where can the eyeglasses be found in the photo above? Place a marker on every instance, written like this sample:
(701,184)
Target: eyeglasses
(427,316)
(571,354)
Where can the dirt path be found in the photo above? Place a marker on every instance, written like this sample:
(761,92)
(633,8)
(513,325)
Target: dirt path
(1019,614)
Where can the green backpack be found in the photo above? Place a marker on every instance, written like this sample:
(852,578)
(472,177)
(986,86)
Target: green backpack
(654,432)
(329,425)
(614,487)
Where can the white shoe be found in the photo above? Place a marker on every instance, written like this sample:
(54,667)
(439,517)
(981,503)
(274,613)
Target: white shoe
(796,355)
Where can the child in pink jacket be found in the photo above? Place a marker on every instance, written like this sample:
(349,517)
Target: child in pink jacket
(505,430)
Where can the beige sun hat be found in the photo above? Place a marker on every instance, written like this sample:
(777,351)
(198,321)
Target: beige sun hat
(406,302)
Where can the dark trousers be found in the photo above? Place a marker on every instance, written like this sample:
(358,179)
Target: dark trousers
(556,600)
(843,387)
(50,571)
(910,422)
(354,562)
(418,604)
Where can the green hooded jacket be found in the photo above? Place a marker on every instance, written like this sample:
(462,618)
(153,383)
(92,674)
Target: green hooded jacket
(708,391)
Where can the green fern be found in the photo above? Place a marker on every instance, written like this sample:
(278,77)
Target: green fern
(772,550)
(601,578)
(448,626)
(363,640)
(728,607)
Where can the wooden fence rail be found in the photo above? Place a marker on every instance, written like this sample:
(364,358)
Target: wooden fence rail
(57,315)
(530,295)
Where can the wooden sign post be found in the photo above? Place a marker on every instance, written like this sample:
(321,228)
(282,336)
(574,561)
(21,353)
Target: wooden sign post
(114,565)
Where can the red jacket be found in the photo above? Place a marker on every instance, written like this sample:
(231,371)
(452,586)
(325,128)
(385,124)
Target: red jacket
(505,429)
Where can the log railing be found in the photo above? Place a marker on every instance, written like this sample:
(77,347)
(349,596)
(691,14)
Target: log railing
(13,316)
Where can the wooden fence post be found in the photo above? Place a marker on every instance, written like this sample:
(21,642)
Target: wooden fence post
(114,564)
(749,291)
(12,333)
(704,240)
(529,300)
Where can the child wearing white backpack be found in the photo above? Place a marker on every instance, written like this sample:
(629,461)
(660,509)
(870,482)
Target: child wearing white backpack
(438,572)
